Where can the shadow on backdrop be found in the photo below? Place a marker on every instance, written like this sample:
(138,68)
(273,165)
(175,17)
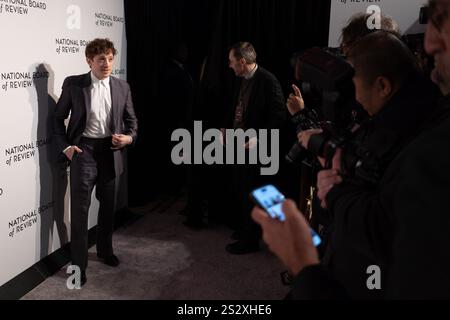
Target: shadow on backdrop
(53,177)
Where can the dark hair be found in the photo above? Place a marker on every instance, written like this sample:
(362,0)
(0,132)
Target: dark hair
(244,50)
(356,28)
(100,46)
(382,54)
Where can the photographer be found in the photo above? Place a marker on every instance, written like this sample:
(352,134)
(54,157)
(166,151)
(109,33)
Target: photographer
(413,195)
(356,28)
(397,100)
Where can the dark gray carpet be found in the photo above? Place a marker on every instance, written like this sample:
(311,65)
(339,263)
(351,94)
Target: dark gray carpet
(162,259)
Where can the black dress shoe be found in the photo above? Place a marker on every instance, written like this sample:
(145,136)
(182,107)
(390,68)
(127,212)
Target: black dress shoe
(241,247)
(83,278)
(111,260)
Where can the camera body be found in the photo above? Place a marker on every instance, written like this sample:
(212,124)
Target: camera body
(339,115)
(330,77)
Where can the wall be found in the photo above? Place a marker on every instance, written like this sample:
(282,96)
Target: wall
(42,42)
(405,12)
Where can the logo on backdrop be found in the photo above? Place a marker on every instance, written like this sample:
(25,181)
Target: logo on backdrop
(27,221)
(374,21)
(107,20)
(70,46)
(1,192)
(19,80)
(21,7)
(119,72)
(74,19)
(23,152)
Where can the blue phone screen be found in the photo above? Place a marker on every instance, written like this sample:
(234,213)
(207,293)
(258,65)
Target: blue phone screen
(271,200)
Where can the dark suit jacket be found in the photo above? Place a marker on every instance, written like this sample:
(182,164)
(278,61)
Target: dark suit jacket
(266,107)
(76,100)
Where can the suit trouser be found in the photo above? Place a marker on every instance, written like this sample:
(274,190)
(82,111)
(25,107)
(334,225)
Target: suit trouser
(93,167)
(245,179)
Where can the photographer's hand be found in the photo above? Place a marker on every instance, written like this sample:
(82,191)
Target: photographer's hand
(290,240)
(251,144)
(295,102)
(305,136)
(223,136)
(327,179)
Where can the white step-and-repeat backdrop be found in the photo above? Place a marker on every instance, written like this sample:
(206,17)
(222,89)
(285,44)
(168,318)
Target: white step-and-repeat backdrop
(405,12)
(42,43)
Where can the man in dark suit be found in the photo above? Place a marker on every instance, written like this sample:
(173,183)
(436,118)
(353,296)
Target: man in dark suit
(258,104)
(102,123)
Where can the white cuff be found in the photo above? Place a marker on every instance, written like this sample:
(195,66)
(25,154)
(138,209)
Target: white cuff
(66,149)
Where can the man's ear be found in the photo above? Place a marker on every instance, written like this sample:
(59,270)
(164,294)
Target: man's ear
(384,87)
(89,62)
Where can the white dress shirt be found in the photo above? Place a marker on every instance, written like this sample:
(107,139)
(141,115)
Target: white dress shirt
(98,119)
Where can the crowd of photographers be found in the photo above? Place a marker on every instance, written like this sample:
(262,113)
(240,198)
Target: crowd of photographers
(383,184)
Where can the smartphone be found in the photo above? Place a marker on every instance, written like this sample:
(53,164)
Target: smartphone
(271,200)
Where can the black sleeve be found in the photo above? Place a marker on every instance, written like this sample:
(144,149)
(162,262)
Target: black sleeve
(421,250)
(129,117)
(277,111)
(315,283)
(62,112)
(360,216)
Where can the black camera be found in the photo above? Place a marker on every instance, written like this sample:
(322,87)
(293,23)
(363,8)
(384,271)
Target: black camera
(329,75)
(339,116)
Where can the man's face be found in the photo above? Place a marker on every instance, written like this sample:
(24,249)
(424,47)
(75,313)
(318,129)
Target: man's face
(366,95)
(437,43)
(101,65)
(238,66)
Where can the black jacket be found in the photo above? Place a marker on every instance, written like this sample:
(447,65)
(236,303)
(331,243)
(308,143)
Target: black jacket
(266,107)
(407,217)
(358,241)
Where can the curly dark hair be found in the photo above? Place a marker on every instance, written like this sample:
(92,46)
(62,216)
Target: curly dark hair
(356,28)
(99,46)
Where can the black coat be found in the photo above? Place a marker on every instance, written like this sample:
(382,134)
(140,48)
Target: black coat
(356,241)
(266,107)
(403,225)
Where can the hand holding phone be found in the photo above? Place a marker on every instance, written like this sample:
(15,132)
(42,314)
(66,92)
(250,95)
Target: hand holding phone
(271,201)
